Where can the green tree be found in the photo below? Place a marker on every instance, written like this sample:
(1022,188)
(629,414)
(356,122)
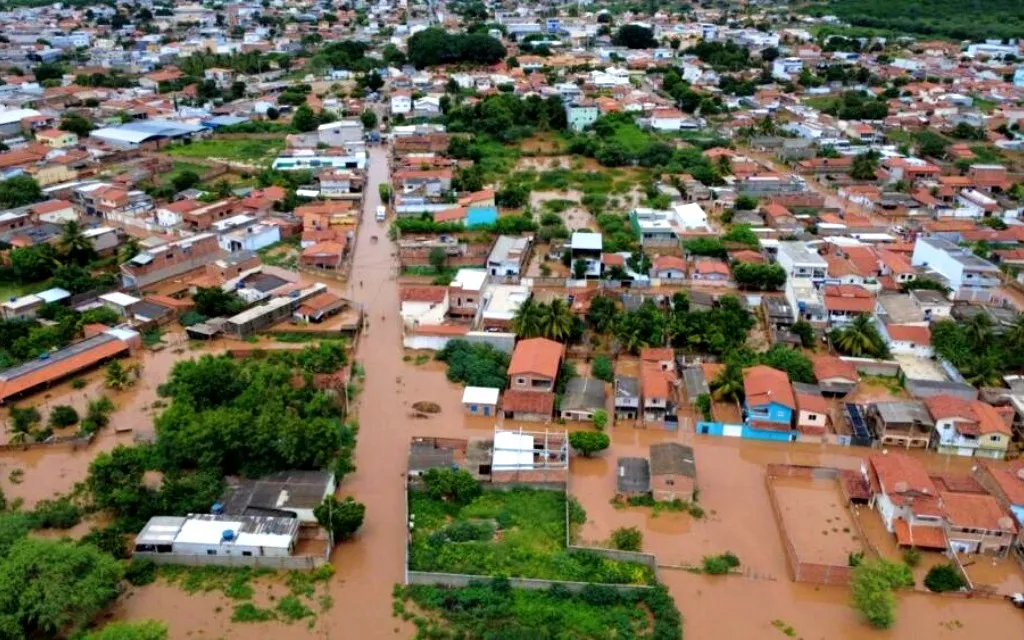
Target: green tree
(528,319)
(796,365)
(144,630)
(369,118)
(213,302)
(944,577)
(864,166)
(13,527)
(803,330)
(634,36)
(185,180)
(19,191)
(74,245)
(860,339)
(454,485)
(342,518)
(627,539)
(602,313)
(22,423)
(304,119)
(589,442)
(52,587)
(557,321)
(728,386)
(871,589)
(76,124)
(118,377)
(438,258)
(602,368)
(600,419)
(579,269)
(63,416)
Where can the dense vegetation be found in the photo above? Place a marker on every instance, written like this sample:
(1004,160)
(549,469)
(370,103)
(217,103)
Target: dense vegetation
(872,586)
(22,340)
(475,365)
(980,354)
(971,20)
(517,533)
(435,46)
(495,610)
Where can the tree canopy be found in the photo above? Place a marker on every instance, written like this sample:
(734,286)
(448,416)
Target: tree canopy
(634,36)
(435,46)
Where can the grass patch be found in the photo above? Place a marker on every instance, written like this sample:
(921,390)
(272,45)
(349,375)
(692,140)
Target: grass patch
(528,539)
(786,629)
(658,506)
(248,612)
(482,609)
(891,383)
(152,337)
(232,582)
(256,151)
(180,167)
(291,609)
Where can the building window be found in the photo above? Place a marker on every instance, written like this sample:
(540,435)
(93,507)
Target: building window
(211,552)
(812,416)
(247,553)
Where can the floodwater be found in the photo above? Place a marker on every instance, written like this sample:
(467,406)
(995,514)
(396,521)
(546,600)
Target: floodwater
(817,519)
(732,491)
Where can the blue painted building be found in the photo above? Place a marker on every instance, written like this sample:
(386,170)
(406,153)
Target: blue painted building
(744,431)
(768,399)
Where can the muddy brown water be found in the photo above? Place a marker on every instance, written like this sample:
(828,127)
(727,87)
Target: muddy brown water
(732,490)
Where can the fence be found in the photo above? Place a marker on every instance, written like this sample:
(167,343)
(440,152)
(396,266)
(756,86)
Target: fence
(800,570)
(75,442)
(534,584)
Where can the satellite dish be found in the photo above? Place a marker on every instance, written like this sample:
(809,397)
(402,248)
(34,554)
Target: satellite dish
(1020,473)
(1005,523)
(901,487)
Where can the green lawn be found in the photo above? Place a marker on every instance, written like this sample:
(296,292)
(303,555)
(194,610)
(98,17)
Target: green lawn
(517,533)
(819,102)
(181,167)
(257,151)
(493,610)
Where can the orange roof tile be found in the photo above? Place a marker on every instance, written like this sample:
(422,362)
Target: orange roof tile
(538,356)
(528,402)
(919,536)
(826,367)
(976,511)
(432,294)
(914,334)
(763,385)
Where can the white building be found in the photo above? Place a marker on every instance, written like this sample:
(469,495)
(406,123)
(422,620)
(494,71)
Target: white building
(587,247)
(250,238)
(216,535)
(508,256)
(786,68)
(424,305)
(970,277)
(801,262)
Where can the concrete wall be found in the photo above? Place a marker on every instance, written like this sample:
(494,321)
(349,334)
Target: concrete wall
(501,341)
(261,562)
(872,367)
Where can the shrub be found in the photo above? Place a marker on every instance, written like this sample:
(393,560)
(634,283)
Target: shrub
(451,484)
(63,416)
(912,556)
(140,572)
(944,577)
(60,513)
(871,590)
(627,539)
(720,564)
(601,419)
(589,442)
(603,369)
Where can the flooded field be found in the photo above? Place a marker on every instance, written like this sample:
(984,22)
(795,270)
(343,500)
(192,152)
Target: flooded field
(730,476)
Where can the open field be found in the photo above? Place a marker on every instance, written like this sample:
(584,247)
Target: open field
(256,152)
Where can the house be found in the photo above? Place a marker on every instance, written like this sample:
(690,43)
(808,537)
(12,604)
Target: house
(246,540)
(581,114)
(168,260)
(56,139)
(633,478)
(662,357)
(319,308)
(656,394)
(906,499)
(668,268)
(667,119)
(529,406)
(1007,486)
(768,399)
(801,262)
(904,423)
(582,398)
(480,401)
(812,410)
(427,305)
(509,256)
(908,339)
(465,292)
(845,302)
(673,471)
(535,364)
(968,427)
(429,183)
(327,254)
(976,523)
(970,277)
(627,398)
(292,494)
(710,271)
(26,307)
(836,377)
(586,247)
(401,103)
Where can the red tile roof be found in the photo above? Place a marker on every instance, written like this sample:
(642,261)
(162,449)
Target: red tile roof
(915,334)
(669,262)
(528,402)
(657,354)
(538,356)
(976,511)
(654,381)
(432,294)
(826,367)
(763,385)
(811,402)
(901,476)
(1010,480)
(919,536)
(849,298)
(57,369)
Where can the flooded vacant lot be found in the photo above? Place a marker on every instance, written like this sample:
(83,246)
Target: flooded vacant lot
(817,519)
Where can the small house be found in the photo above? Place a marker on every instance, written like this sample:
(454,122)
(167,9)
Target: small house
(669,268)
(673,471)
(768,398)
(534,365)
(812,409)
(530,406)
(633,478)
(481,401)
(904,423)
(583,397)
(627,398)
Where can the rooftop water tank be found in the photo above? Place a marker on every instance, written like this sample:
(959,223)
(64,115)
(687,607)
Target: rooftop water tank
(227,536)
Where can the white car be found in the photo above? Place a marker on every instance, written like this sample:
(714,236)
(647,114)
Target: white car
(381,213)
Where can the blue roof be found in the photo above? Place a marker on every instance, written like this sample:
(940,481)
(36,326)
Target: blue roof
(480,216)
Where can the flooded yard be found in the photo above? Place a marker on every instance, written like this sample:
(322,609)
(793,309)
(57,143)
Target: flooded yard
(816,519)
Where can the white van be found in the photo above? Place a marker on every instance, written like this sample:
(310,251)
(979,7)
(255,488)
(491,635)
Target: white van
(381,213)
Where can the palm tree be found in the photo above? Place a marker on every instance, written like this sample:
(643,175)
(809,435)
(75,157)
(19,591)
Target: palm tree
(557,321)
(73,244)
(728,386)
(984,369)
(859,338)
(128,250)
(118,377)
(528,318)
(978,329)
